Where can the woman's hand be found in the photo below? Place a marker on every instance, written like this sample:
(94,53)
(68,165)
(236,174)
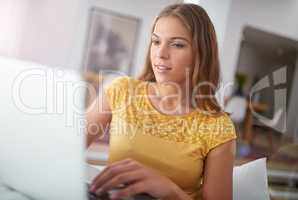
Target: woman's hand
(137,179)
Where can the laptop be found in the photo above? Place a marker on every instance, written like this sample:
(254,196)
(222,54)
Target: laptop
(42,130)
(42,146)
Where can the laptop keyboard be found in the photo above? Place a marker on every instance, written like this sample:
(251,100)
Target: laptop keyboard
(92,196)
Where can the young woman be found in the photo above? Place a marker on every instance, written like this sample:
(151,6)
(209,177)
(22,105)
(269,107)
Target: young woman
(169,137)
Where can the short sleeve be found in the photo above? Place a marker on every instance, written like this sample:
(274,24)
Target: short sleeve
(116,92)
(223,130)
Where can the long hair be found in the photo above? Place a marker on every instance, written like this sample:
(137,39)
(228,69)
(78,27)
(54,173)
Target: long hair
(205,73)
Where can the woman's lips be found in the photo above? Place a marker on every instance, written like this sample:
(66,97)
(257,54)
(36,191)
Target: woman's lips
(162,68)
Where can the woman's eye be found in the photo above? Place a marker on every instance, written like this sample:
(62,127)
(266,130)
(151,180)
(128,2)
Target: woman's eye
(155,42)
(178,45)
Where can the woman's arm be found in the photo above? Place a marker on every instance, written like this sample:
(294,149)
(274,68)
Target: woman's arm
(218,172)
(98,117)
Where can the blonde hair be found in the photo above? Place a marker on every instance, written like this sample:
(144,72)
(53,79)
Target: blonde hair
(206,61)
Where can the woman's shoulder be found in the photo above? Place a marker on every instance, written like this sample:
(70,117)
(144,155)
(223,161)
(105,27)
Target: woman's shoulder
(125,86)
(214,119)
(217,130)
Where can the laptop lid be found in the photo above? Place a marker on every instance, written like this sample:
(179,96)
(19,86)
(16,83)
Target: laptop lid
(41,133)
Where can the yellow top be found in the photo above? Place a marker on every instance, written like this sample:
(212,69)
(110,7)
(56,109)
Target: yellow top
(175,145)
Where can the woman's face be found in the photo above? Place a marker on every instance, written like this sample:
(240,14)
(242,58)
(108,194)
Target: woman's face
(171,51)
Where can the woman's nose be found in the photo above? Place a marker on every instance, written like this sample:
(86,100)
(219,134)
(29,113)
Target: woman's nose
(163,52)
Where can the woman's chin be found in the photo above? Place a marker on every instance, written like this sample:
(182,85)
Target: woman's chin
(163,80)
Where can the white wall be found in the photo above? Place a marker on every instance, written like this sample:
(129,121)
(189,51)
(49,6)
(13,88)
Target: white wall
(53,32)
(11,23)
(192,1)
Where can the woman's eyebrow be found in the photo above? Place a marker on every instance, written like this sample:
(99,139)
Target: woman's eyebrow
(154,35)
(172,38)
(179,38)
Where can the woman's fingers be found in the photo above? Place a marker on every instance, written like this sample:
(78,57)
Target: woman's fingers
(130,190)
(135,177)
(123,178)
(111,172)
(109,168)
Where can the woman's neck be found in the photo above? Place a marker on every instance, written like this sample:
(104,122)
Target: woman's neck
(173,95)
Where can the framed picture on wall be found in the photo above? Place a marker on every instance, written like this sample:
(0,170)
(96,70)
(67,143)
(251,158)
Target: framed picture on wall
(111,41)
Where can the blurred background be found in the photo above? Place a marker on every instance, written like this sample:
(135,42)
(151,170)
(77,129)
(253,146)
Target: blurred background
(258,46)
